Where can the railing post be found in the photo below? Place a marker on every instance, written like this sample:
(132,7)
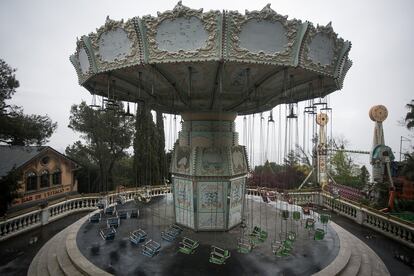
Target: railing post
(44,216)
(359,216)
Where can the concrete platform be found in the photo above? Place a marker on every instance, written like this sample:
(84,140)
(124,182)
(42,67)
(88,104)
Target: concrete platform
(339,253)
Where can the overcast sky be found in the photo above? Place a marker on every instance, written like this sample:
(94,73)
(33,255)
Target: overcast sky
(37,38)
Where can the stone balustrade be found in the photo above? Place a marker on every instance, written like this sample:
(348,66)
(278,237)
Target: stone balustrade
(42,216)
(393,227)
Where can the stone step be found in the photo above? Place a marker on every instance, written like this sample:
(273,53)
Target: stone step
(52,261)
(354,263)
(365,269)
(340,262)
(377,265)
(33,265)
(63,259)
(41,269)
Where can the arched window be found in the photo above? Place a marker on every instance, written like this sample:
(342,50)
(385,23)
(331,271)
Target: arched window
(44,179)
(31,181)
(57,177)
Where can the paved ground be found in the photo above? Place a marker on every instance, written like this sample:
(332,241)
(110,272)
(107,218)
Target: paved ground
(17,253)
(123,258)
(382,245)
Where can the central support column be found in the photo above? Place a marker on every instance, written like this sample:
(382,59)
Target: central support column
(209,170)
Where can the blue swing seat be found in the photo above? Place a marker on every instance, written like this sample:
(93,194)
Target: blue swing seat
(113,222)
(171,233)
(107,233)
(151,248)
(110,210)
(95,218)
(122,214)
(138,236)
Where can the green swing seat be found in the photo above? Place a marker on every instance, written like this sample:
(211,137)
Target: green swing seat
(258,235)
(218,255)
(319,234)
(291,236)
(296,215)
(281,249)
(310,223)
(325,218)
(244,245)
(188,246)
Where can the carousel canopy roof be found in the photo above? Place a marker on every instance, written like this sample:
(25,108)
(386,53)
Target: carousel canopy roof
(187,60)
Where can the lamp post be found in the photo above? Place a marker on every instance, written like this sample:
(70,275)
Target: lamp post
(405,139)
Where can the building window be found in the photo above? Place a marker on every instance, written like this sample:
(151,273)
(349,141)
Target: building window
(57,177)
(31,181)
(45,160)
(44,179)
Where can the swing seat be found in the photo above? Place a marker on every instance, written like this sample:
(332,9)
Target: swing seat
(288,244)
(134,214)
(291,236)
(171,233)
(324,218)
(296,215)
(219,255)
(120,200)
(113,222)
(151,248)
(319,234)
(310,223)
(122,214)
(138,236)
(285,214)
(110,210)
(282,251)
(107,233)
(258,235)
(95,218)
(188,246)
(244,246)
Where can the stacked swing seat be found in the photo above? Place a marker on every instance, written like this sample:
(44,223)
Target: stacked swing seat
(137,236)
(244,245)
(283,248)
(258,235)
(110,210)
(107,233)
(134,214)
(219,255)
(171,233)
(151,248)
(310,223)
(100,205)
(319,234)
(113,222)
(188,246)
(95,218)
(122,214)
(120,200)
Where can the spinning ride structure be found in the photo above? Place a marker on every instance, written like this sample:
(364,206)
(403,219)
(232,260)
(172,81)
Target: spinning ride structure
(210,67)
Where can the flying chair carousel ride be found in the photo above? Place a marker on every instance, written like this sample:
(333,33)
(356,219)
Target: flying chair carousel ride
(209,68)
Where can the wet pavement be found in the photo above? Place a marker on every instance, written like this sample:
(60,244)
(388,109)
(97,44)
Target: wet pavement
(382,245)
(17,253)
(121,257)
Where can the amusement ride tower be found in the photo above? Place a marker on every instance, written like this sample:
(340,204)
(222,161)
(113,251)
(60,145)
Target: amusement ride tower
(210,67)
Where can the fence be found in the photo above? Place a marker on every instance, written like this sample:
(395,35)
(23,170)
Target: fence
(393,227)
(42,216)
